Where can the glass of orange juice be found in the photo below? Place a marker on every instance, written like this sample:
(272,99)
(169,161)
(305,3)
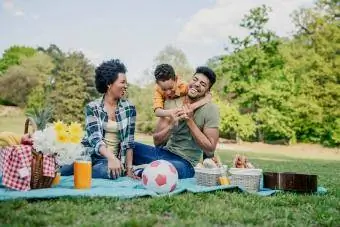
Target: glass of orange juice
(56,179)
(82,174)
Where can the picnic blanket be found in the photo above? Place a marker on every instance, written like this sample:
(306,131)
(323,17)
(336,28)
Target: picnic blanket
(123,188)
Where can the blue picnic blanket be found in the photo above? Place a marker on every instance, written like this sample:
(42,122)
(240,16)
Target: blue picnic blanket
(123,188)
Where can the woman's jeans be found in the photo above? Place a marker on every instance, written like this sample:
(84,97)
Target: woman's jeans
(142,154)
(99,169)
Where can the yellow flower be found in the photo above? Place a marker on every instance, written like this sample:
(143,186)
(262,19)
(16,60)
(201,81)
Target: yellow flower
(59,126)
(75,130)
(62,136)
(75,139)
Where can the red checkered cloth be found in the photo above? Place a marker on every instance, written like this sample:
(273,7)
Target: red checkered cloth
(16,167)
(3,153)
(48,166)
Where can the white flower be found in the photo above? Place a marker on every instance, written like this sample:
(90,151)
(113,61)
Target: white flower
(46,142)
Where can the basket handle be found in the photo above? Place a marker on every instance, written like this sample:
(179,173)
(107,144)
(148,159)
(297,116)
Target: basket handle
(29,121)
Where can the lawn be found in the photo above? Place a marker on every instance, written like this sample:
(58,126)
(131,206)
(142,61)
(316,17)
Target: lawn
(13,124)
(208,209)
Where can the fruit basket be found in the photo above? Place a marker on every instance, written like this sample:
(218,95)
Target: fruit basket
(209,177)
(247,179)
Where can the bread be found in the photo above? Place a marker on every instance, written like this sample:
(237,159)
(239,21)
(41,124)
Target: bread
(209,163)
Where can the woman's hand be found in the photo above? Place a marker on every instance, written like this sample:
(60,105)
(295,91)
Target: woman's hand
(114,167)
(129,173)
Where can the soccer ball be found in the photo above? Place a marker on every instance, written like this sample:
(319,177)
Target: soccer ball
(160,176)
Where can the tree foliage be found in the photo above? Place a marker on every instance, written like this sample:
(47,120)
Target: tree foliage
(14,55)
(173,56)
(19,81)
(70,92)
(268,88)
(291,88)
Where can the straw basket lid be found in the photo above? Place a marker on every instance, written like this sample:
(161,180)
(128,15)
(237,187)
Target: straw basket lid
(212,170)
(241,171)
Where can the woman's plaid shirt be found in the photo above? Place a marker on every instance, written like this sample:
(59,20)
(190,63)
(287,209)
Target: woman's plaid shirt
(96,117)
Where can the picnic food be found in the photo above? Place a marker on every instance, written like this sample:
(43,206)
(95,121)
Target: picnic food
(224,180)
(217,160)
(200,165)
(209,163)
(241,161)
(9,139)
(211,172)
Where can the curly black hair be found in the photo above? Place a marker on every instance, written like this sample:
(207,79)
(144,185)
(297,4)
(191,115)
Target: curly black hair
(208,73)
(107,73)
(164,72)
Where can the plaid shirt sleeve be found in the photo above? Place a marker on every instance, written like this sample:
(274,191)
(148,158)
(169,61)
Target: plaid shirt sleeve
(126,116)
(129,142)
(93,128)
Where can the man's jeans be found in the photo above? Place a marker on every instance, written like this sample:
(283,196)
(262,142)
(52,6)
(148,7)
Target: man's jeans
(144,154)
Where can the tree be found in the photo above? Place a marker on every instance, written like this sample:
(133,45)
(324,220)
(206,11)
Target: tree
(255,78)
(142,99)
(290,87)
(86,72)
(56,54)
(14,55)
(314,64)
(70,88)
(85,67)
(175,57)
(19,81)
(233,124)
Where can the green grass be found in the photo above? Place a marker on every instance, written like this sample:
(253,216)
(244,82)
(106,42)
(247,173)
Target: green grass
(206,209)
(13,124)
(209,209)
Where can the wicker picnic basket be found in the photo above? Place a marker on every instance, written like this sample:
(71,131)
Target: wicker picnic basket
(38,180)
(209,177)
(247,179)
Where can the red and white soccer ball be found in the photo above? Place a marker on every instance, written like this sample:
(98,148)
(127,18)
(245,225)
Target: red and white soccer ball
(160,176)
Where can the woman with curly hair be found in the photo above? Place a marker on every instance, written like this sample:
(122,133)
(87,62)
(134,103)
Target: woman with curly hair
(109,124)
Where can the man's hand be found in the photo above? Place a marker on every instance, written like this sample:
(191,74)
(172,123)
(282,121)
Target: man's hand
(114,166)
(176,115)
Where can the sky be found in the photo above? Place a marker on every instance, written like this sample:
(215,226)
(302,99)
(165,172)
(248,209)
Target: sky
(135,31)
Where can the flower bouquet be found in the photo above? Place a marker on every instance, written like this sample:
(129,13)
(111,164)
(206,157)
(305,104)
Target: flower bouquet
(60,140)
(58,144)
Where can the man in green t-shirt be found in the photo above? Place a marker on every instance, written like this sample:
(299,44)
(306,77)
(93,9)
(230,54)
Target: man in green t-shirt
(187,133)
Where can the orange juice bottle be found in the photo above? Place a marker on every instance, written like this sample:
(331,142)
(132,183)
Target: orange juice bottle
(82,174)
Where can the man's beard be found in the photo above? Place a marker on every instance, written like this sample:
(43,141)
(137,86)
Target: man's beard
(196,97)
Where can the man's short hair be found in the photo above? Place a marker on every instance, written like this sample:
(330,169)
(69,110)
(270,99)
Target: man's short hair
(164,72)
(209,73)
